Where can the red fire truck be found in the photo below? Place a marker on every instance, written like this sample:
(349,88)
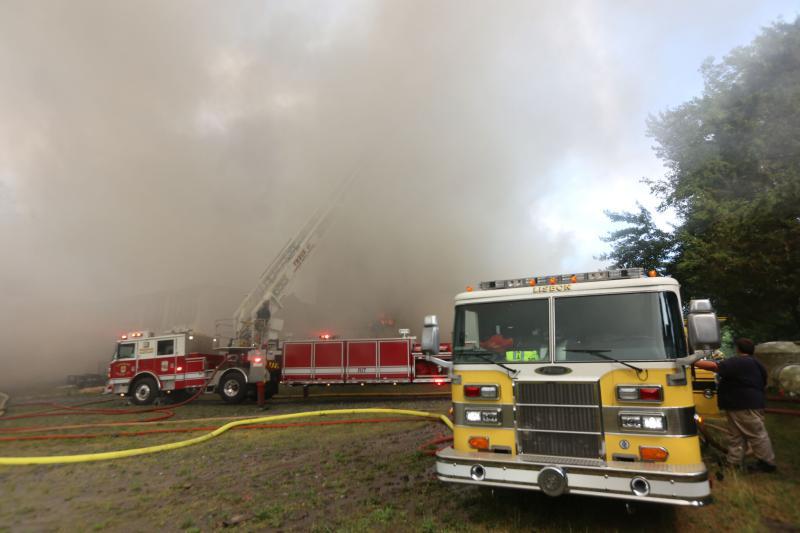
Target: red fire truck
(146,366)
(246,350)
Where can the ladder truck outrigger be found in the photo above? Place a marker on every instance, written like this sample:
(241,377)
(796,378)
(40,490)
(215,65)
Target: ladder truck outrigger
(577,384)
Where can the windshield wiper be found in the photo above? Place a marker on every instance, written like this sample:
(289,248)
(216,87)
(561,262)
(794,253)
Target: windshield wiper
(601,354)
(482,355)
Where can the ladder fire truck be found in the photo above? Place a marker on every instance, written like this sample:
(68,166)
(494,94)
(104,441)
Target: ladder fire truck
(577,384)
(247,350)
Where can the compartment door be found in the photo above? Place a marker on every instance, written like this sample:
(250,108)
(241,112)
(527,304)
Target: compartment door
(329,361)
(394,360)
(297,364)
(362,361)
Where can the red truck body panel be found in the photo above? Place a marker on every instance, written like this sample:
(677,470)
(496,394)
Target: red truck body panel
(359,361)
(184,371)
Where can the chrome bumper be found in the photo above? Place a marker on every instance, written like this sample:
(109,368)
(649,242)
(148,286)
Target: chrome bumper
(676,485)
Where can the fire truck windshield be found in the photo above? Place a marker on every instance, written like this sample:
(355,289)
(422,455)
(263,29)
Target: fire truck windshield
(125,350)
(628,326)
(632,327)
(513,332)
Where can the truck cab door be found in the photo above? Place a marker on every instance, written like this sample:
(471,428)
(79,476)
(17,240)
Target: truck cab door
(166,354)
(124,363)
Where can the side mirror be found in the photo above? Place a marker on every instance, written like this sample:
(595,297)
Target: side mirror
(430,335)
(703,326)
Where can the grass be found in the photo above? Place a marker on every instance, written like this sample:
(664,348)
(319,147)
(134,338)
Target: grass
(757,501)
(341,478)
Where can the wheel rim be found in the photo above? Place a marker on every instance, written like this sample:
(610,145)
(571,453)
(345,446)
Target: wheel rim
(142,392)
(231,388)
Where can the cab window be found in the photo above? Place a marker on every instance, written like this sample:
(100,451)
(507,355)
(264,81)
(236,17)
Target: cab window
(511,332)
(126,350)
(165,347)
(632,326)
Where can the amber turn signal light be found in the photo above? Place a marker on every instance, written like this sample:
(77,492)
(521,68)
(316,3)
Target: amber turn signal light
(479,443)
(653,453)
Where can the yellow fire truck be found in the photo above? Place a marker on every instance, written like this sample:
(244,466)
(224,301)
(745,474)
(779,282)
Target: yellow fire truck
(577,384)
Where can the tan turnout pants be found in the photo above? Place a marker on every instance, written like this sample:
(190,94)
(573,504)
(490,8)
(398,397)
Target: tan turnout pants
(746,426)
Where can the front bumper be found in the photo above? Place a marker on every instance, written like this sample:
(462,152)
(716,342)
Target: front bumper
(118,386)
(672,484)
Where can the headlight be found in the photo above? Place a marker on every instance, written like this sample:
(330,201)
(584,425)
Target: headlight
(645,422)
(630,421)
(472,416)
(490,417)
(655,423)
(483,416)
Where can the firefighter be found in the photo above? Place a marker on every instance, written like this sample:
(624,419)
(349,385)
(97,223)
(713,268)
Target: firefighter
(742,380)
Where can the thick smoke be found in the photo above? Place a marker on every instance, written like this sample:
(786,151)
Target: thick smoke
(154,156)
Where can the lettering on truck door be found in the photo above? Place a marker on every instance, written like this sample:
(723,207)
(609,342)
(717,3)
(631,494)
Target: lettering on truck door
(165,355)
(124,365)
(145,354)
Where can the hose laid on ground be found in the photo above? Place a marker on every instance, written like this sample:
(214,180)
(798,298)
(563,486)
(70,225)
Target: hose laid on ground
(432,446)
(710,439)
(41,429)
(103,456)
(114,434)
(778,411)
(788,399)
(61,409)
(78,409)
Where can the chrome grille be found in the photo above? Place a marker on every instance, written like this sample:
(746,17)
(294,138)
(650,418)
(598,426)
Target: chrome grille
(560,444)
(558,393)
(562,419)
(558,418)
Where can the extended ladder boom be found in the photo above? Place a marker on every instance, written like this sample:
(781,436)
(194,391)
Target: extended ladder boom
(251,319)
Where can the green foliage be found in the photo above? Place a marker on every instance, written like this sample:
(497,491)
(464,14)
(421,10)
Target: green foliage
(733,159)
(641,244)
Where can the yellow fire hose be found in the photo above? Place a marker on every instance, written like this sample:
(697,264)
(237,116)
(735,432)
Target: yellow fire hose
(103,456)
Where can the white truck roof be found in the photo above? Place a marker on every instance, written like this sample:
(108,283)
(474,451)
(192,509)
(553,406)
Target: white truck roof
(636,284)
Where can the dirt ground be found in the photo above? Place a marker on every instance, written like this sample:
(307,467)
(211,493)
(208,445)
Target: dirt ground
(353,477)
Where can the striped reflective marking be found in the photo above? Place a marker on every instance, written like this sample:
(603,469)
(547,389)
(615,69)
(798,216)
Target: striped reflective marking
(328,370)
(362,369)
(391,369)
(376,369)
(297,371)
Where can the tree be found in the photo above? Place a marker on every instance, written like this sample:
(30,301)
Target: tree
(733,159)
(640,244)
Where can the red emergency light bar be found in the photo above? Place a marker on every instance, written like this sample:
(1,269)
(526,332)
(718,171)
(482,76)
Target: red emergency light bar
(602,275)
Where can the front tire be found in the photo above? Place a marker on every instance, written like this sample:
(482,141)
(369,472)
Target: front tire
(144,391)
(232,388)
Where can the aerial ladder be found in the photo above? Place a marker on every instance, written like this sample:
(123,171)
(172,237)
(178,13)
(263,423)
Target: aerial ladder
(253,325)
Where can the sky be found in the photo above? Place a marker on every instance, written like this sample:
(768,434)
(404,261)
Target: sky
(154,156)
